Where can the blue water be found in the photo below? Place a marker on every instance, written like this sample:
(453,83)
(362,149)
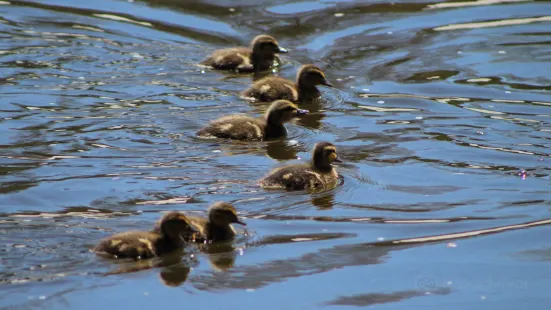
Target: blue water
(441,113)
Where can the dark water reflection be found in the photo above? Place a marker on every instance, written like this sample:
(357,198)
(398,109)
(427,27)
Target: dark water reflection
(438,109)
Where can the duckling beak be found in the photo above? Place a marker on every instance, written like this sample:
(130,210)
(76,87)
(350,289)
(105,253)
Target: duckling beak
(282,50)
(302,112)
(240,222)
(327,83)
(337,160)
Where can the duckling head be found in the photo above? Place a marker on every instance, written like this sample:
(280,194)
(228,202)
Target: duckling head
(324,155)
(282,111)
(266,45)
(223,213)
(309,76)
(175,224)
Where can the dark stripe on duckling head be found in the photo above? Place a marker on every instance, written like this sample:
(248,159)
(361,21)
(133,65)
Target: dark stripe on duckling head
(310,75)
(322,145)
(175,224)
(281,105)
(266,43)
(309,68)
(324,154)
(223,212)
(223,206)
(173,216)
(331,154)
(262,39)
(281,111)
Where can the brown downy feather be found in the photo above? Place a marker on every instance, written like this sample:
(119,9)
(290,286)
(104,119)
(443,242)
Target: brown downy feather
(145,244)
(303,90)
(242,127)
(259,57)
(217,227)
(316,175)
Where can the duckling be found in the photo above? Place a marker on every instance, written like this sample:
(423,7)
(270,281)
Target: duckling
(259,57)
(304,90)
(241,127)
(318,174)
(217,226)
(145,244)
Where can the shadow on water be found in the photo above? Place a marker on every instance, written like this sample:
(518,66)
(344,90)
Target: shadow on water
(440,112)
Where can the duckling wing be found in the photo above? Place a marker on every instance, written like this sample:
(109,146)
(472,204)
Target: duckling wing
(272,88)
(129,244)
(295,177)
(238,58)
(237,127)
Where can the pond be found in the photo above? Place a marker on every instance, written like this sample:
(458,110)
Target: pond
(440,113)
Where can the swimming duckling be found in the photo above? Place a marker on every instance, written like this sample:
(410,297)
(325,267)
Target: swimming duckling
(217,226)
(145,244)
(259,57)
(242,127)
(304,90)
(318,174)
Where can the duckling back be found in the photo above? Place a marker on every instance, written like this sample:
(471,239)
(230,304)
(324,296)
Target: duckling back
(237,58)
(133,244)
(239,127)
(300,177)
(272,88)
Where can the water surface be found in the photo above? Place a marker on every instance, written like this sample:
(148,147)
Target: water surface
(441,113)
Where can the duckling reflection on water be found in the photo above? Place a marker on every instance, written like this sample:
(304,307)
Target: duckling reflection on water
(241,127)
(304,90)
(260,56)
(217,227)
(318,174)
(281,149)
(326,200)
(174,272)
(174,275)
(173,228)
(174,260)
(221,255)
